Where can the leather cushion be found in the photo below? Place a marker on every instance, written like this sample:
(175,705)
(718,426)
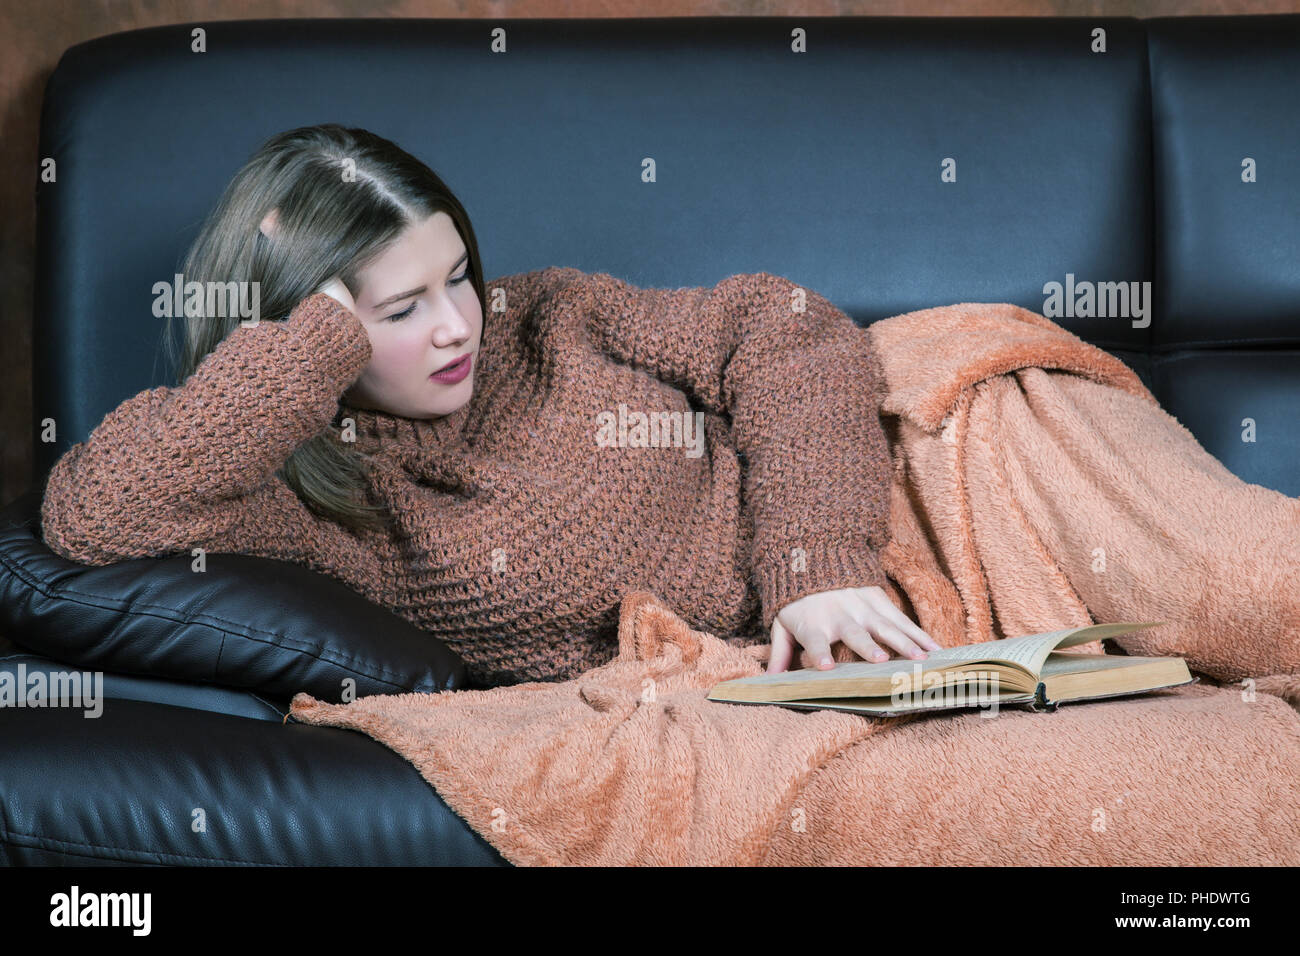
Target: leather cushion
(253,623)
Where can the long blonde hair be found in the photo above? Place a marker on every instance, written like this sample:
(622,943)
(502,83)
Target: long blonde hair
(327,224)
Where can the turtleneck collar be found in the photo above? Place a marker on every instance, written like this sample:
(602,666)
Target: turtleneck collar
(377,431)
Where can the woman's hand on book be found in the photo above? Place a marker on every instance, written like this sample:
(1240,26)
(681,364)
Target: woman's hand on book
(863,618)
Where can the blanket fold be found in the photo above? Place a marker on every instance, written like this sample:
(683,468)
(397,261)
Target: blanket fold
(631,764)
(930,356)
(1037,485)
(628,764)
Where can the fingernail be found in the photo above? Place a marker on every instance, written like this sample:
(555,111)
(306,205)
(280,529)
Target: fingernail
(826,661)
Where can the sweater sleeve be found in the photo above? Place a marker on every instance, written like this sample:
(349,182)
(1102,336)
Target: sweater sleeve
(174,467)
(802,389)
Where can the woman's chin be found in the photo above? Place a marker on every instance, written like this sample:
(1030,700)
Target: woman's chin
(450,403)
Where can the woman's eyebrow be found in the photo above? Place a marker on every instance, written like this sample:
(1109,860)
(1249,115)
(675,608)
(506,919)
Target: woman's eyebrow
(406,295)
(398,298)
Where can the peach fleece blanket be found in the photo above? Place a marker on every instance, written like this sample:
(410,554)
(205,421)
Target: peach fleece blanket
(1039,485)
(630,764)
(1036,481)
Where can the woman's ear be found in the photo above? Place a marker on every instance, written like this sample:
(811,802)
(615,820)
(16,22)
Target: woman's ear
(269,222)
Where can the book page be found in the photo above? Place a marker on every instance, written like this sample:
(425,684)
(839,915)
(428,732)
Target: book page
(1031,650)
(1057,664)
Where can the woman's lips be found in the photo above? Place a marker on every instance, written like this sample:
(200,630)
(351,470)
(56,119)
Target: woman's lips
(453,373)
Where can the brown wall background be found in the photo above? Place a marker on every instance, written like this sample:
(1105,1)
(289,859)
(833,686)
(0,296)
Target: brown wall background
(34,34)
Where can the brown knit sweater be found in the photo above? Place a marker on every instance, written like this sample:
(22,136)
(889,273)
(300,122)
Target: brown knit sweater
(516,527)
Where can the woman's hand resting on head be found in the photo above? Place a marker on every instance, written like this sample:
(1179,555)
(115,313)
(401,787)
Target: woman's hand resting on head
(335,289)
(863,618)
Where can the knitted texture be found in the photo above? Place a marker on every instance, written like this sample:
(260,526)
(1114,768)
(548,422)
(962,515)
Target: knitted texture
(520,520)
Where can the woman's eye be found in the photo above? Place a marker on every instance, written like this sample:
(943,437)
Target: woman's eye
(457,280)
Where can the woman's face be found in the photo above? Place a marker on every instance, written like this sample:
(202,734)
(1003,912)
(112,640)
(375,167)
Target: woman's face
(421,315)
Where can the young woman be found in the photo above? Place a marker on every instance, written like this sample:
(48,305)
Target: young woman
(379,426)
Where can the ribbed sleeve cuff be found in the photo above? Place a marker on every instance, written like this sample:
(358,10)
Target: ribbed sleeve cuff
(334,337)
(824,568)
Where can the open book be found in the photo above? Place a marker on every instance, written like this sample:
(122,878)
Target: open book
(1018,671)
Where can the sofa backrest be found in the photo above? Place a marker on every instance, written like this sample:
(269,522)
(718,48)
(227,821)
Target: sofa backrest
(890,164)
(1225,350)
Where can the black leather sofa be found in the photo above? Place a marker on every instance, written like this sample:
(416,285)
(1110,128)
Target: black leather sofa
(1161,151)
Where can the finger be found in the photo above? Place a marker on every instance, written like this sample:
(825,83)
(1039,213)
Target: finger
(860,639)
(879,600)
(782,648)
(818,644)
(851,627)
(869,611)
(864,608)
(895,638)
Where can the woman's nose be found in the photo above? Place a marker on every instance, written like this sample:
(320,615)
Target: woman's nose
(450,328)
